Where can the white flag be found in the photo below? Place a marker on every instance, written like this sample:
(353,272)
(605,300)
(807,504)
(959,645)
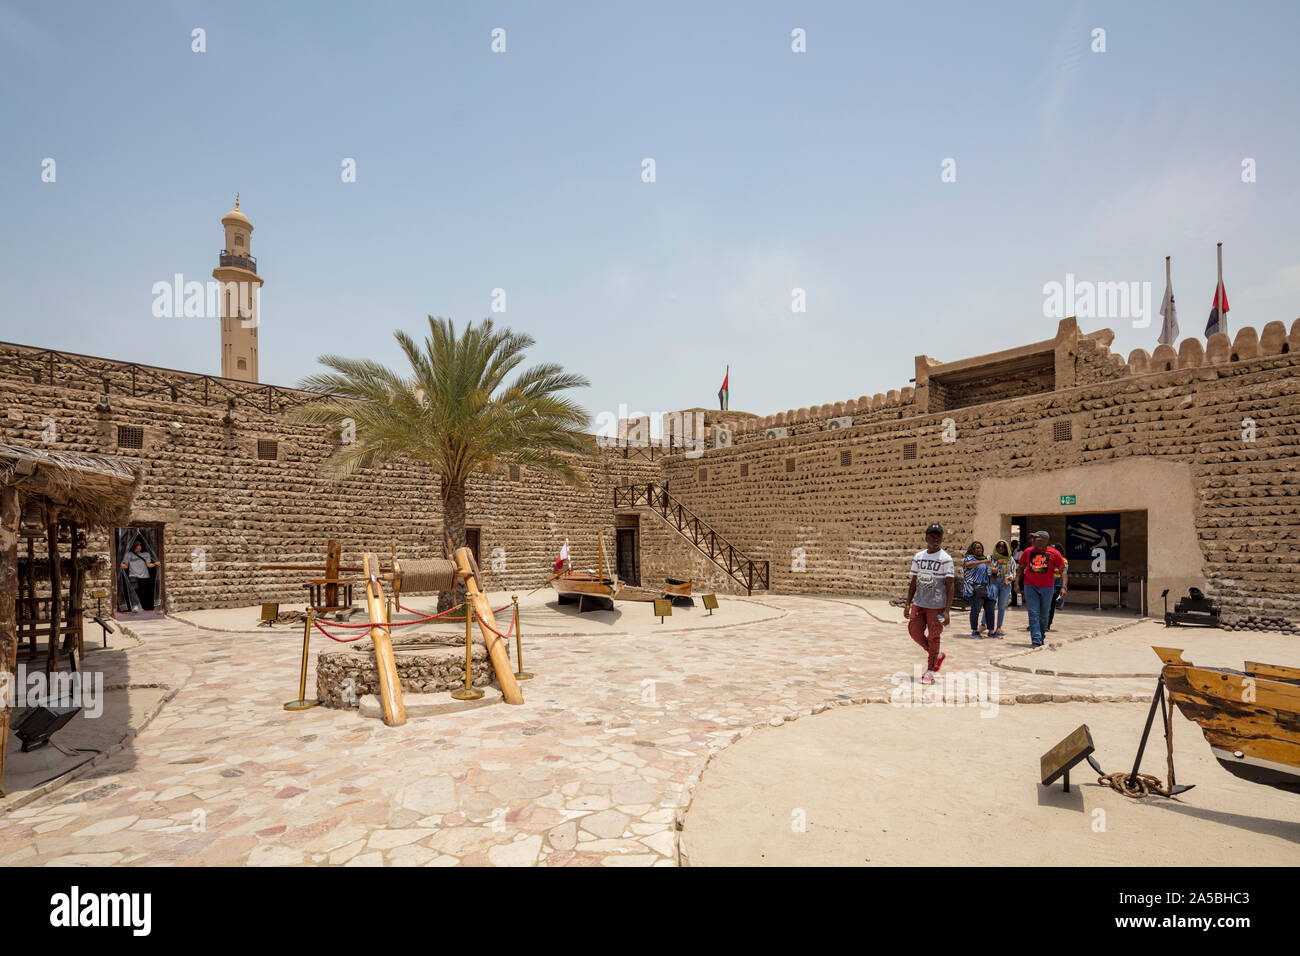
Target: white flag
(1169,330)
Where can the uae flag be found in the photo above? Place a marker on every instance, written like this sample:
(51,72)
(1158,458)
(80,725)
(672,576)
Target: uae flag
(724,393)
(563,562)
(1218,321)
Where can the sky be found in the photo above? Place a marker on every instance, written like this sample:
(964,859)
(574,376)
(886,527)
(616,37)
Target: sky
(1066,152)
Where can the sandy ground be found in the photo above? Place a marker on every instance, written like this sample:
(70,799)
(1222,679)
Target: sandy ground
(539,613)
(944,786)
(1129,651)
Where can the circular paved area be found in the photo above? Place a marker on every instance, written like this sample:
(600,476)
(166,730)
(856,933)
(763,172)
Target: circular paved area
(595,769)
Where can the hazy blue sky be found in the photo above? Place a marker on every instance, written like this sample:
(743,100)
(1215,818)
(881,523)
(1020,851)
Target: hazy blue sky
(522,171)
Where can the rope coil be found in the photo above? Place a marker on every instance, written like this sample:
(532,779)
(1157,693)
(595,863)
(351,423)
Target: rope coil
(434,574)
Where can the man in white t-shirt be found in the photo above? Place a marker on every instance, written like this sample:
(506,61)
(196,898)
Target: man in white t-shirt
(929,598)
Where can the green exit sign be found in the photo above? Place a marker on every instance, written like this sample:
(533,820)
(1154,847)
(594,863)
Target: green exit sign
(1067,499)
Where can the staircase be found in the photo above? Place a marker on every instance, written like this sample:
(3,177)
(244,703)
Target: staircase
(749,574)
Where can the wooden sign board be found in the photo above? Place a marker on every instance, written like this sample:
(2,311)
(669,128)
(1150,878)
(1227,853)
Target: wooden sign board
(1070,751)
(663,608)
(270,612)
(711,601)
(99,593)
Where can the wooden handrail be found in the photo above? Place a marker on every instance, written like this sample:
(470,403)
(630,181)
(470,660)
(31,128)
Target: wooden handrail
(746,571)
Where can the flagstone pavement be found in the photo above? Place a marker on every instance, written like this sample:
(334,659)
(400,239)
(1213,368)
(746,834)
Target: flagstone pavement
(596,768)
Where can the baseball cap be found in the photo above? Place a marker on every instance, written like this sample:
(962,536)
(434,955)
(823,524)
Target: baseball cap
(1040,534)
(934,527)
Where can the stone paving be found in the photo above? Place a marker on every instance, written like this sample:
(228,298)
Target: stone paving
(596,768)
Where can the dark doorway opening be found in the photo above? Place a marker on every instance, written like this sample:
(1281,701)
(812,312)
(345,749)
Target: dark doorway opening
(472,537)
(139,585)
(627,562)
(1106,551)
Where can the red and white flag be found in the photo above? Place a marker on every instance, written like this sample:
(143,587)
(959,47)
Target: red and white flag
(562,562)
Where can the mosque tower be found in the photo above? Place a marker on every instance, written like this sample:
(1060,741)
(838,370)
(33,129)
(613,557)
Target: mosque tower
(237,273)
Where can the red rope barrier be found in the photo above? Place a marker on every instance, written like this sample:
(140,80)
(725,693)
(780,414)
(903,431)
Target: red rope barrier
(341,640)
(370,624)
(506,635)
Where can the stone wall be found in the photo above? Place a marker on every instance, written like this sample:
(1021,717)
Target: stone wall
(828,526)
(225,511)
(833,508)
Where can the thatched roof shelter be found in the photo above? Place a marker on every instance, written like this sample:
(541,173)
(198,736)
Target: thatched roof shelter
(92,490)
(84,490)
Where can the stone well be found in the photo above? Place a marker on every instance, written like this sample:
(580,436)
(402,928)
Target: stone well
(426,664)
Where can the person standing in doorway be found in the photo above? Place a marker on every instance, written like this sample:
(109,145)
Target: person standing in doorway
(929,598)
(1058,585)
(137,566)
(1036,577)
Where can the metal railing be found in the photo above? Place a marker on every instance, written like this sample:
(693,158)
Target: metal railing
(238,260)
(750,574)
(109,377)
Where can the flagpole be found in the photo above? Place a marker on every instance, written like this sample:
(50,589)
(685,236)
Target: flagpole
(1219,296)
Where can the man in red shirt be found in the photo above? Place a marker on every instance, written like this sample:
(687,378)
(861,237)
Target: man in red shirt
(1036,578)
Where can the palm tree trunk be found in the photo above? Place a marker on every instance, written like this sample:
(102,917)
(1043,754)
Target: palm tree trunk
(453,522)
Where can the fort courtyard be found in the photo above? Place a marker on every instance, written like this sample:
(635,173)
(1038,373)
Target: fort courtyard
(366,500)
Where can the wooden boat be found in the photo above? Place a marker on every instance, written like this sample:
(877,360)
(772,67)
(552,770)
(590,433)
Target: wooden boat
(1250,718)
(590,591)
(678,591)
(675,588)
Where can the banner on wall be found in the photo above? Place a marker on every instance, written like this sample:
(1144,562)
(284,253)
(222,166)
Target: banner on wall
(1085,533)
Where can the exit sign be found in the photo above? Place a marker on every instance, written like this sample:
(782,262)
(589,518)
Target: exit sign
(1067,499)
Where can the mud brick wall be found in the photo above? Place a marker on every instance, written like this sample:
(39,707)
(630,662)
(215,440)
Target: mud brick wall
(833,510)
(225,512)
(831,527)
(1094,362)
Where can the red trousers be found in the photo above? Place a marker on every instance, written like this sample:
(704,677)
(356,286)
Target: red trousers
(925,627)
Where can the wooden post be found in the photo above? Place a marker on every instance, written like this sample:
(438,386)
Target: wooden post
(75,640)
(332,552)
(390,687)
(56,587)
(477,603)
(32,606)
(9,514)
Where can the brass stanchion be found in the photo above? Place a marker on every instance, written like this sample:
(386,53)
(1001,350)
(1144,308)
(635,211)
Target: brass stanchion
(302,703)
(468,692)
(520,674)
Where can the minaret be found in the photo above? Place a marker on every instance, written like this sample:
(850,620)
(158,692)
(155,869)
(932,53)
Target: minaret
(237,273)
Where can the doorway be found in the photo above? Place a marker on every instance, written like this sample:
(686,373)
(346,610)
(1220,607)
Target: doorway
(139,584)
(472,537)
(627,563)
(1106,552)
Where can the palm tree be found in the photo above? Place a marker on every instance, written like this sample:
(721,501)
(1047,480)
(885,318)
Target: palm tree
(454,411)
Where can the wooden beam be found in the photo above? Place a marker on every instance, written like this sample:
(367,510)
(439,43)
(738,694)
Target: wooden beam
(9,514)
(73,641)
(390,688)
(56,587)
(333,551)
(487,626)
